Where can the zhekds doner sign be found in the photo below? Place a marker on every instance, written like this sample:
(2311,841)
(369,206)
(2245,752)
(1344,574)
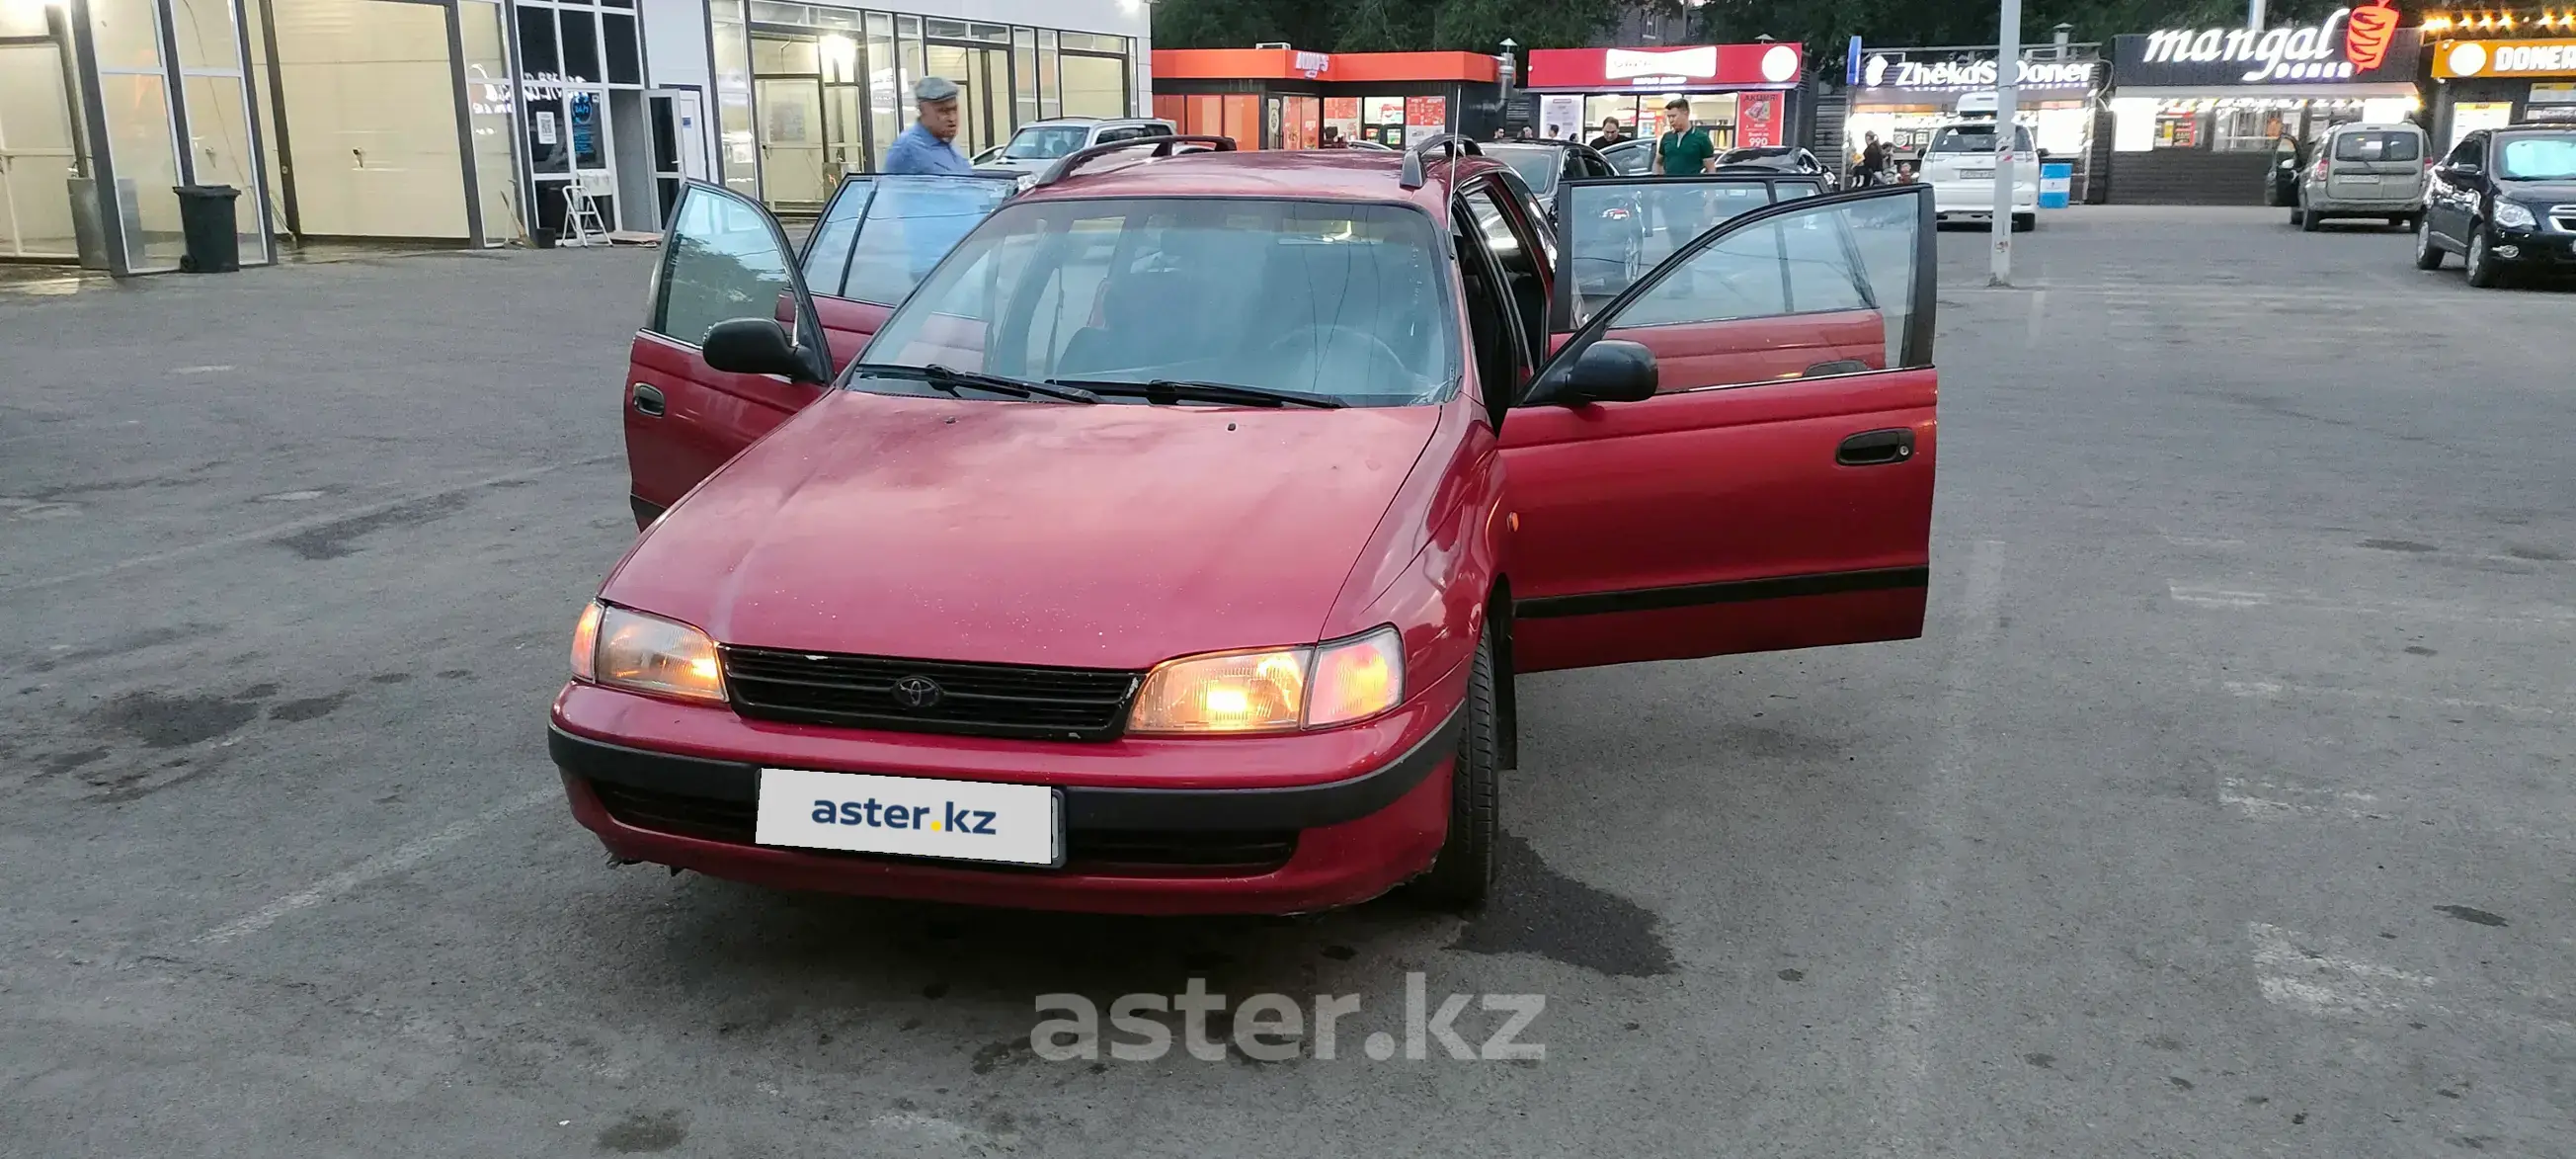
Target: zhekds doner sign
(2461,59)
(2351,45)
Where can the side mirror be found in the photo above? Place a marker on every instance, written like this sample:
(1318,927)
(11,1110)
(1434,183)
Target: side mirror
(1606,371)
(754,346)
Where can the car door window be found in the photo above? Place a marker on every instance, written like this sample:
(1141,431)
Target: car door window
(1811,292)
(724,262)
(827,250)
(2468,152)
(1517,254)
(1498,344)
(1614,231)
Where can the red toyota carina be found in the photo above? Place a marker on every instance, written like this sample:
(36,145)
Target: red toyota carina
(1174,546)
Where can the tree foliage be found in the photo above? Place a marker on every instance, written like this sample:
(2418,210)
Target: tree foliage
(1823,25)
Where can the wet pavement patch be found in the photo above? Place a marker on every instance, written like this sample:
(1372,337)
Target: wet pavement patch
(642,1134)
(338,538)
(2406,545)
(165,722)
(310,708)
(1536,910)
(2467,914)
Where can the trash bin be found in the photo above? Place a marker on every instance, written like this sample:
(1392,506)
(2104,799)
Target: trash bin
(206,217)
(2056,184)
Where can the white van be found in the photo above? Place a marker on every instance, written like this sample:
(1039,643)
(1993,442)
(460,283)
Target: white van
(1959,165)
(2364,170)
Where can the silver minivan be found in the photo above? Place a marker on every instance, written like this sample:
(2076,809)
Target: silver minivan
(2364,170)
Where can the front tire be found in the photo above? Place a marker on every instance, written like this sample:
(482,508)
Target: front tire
(2298,217)
(1462,874)
(2483,273)
(2428,253)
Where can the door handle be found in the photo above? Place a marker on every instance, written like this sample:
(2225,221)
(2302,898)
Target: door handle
(648,400)
(1876,448)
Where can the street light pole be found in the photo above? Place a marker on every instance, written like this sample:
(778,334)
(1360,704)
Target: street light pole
(2007,76)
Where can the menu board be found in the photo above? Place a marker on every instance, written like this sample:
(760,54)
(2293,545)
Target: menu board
(1757,119)
(1424,118)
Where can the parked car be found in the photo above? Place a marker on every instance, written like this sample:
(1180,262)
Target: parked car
(877,237)
(1541,164)
(1776,159)
(2505,199)
(1959,164)
(2363,170)
(1176,545)
(1039,144)
(1632,157)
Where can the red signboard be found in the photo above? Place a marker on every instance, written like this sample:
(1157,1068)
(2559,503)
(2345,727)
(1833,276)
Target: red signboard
(1757,120)
(1666,69)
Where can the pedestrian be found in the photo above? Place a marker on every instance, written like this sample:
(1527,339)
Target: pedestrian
(1609,134)
(1333,138)
(1684,149)
(1873,160)
(930,145)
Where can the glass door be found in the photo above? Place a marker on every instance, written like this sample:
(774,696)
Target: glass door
(37,158)
(796,168)
(984,105)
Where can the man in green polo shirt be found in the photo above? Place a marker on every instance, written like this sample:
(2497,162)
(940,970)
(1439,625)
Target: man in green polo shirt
(1684,150)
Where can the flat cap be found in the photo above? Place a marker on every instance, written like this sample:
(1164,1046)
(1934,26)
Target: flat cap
(935,88)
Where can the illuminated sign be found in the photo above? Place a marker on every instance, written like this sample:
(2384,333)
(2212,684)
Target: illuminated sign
(2455,59)
(1891,70)
(2349,45)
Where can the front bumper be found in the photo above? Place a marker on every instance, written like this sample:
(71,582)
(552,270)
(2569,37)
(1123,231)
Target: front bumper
(1152,844)
(2534,249)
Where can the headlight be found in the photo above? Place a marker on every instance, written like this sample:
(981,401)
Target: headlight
(1276,690)
(631,650)
(2514,215)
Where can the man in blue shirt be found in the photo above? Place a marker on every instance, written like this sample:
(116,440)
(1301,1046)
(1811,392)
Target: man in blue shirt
(929,145)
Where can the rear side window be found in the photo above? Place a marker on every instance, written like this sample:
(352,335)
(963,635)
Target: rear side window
(2377,145)
(911,223)
(827,255)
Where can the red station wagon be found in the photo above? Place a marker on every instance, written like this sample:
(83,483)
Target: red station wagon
(1174,546)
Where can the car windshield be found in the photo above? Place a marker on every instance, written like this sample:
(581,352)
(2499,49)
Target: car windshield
(2551,158)
(1046,142)
(1539,167)
(1975,139)
(1341,300)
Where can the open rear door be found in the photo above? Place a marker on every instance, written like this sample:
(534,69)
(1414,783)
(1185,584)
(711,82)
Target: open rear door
(724,257)
(1776,490)
(879,237)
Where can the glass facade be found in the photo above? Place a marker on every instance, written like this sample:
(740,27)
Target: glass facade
(825,90)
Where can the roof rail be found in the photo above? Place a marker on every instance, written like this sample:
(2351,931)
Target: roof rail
(1450,147)
(1450,144)
(1163,146)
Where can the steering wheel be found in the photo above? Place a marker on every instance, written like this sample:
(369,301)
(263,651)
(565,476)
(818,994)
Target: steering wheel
(1389,365)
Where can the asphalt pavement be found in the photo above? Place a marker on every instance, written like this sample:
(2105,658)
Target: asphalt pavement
(2224,808)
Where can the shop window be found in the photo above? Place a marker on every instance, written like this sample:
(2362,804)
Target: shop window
(885,94)
(1024,74)
(538,54)
(127,33)
(1094,86)
(581,46)
(625,64)
(205,35)
(219,147)
(1050,83)
(1095,43)
(945,29)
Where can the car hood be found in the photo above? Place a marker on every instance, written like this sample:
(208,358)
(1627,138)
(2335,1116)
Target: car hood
(1113,536)
(2539,194)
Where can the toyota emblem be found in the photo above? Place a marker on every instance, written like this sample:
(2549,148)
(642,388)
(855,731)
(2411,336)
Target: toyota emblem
(916,692)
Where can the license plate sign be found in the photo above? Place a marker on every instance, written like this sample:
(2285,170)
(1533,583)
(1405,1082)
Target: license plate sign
(911,817)
(1976,174)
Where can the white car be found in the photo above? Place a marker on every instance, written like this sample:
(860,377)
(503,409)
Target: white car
(1040,144)
(1959,165)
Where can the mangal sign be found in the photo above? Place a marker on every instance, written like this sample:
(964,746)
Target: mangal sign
(2350,44)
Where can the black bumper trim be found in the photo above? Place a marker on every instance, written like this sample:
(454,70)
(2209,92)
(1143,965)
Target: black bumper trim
(645,513)
(1298,807)
(1724,592)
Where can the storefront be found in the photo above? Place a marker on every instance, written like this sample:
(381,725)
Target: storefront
(1746,94)
(1279,98)
(806,93)
(1903,94)
(2202,115)
(2487,84)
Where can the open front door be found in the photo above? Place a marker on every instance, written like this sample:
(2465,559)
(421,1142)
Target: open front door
(1774,490)
(724,257)
(878,238)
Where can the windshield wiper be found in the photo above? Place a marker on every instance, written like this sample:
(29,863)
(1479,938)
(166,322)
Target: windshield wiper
(947,379)
(1166,390)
